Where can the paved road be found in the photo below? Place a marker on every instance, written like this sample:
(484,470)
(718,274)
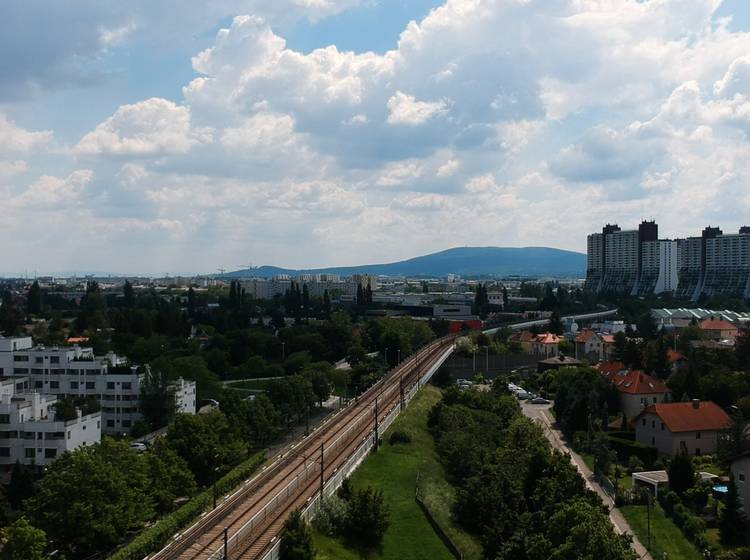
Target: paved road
(540,413)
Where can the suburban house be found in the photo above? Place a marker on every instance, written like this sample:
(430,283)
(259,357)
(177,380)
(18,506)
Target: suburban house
(718,329)
(690,426)
(525,339)
(636,389)
(675,359)
(546,344)
(741,470)
(595,346)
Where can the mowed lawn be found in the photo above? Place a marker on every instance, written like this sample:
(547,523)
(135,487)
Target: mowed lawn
(394,471)
(665,535)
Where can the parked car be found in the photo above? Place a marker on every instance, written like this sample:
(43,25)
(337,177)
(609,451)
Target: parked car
(539,400)
(138,446)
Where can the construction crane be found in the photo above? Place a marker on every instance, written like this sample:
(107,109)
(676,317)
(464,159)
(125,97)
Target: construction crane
(221,270)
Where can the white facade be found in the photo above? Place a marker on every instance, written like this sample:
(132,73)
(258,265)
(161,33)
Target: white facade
(30,431)
(659,266)
(76,372)
(184,396)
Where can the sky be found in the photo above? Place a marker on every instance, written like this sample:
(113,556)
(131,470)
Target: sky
(183,136)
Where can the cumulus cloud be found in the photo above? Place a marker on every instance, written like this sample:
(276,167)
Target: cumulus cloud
(152,127)
(405,109)
(484,113)
(14,139)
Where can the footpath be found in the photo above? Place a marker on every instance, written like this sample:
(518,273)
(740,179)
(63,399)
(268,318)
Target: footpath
(557,440)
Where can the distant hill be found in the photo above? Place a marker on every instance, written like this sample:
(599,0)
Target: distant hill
(465,261)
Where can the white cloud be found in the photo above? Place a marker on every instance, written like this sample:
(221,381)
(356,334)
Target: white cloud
(484,113)
(405,109)
(14,139)
(55,192)
(448,168)
(152,127)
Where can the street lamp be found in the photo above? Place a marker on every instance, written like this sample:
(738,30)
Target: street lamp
(214,470)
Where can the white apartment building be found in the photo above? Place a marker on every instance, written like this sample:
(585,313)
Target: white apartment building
(30,431)
(728,264)
(75,371)
(184,396)
(659,266)
(621,255)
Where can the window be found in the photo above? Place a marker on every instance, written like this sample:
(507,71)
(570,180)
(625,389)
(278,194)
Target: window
(662,426)
(643,422)
(68,434)
(4,418)
(654,400)
(21,370)
(74,384)
(38,384)
(90,384)
(126,423)
(127,385)
(29,453)
(98,424)
(4,451)
(54,359)
(54,385)
(21,358)
(740,476)
(697,450)
(110,423)
(110,385)
(50,453)
(38,360)
(653,423)
(697,435)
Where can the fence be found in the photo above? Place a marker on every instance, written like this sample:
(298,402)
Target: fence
(445,537)
(356,458)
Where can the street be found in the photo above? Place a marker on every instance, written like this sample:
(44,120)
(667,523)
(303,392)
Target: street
(540,413)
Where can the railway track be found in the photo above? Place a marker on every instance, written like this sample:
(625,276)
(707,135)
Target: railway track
(251,517)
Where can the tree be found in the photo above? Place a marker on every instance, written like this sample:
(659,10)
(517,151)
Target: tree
(206,442)
(367,517)
(170,477)
(22,541)
(620,347)
(91,498)
(128,295)
(681,473)
(21,485)
(34,299)
(157,402)
(305,300)
(326,304)
(555,324)
(506,299)
(732,520)
(733,441)
(10,318)
(191,303)
(360,296)
(296,539)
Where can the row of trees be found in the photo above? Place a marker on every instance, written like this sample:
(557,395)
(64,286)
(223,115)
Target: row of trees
(523,500)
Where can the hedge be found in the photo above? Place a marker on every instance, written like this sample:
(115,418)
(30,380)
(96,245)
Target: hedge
(154,538)
(626,448)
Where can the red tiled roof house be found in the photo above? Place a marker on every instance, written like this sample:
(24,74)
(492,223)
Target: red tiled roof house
(690,426)
(594,346)
(636,389)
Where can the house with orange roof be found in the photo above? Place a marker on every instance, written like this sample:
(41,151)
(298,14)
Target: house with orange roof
(636,389)
(718,329)
(693,427)
(594,346)
(525,339)
(546,345)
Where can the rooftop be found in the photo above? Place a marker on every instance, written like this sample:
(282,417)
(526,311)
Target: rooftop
(636,382)
(689,416)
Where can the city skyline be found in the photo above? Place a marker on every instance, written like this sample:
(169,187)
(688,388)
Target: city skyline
(313,134)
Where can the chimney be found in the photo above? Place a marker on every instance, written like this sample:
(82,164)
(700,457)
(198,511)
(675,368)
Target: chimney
(696,403)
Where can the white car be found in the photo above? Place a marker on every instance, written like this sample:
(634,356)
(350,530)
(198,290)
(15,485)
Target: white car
(138,446)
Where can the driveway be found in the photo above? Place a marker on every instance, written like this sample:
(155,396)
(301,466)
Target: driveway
(540,413)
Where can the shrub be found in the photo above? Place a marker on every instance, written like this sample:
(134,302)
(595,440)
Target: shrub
(331,516)
(399,436)
(626,449)
(367,517)
(635,464)
(154,538)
